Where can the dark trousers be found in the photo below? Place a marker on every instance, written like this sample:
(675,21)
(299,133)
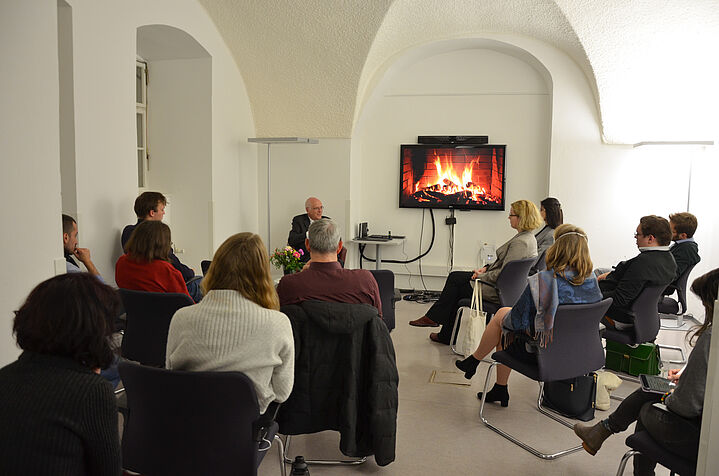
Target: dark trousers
(678,435)
(444,310)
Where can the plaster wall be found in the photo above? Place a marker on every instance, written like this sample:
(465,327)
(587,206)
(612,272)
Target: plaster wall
(459,91)
(180,125)
(30,178)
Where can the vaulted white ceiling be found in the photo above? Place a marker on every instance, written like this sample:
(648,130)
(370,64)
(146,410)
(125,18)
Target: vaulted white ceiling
(309,64)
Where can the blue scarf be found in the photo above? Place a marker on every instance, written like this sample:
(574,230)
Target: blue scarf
(540,299)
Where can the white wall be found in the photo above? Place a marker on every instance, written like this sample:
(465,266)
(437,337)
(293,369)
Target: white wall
(67,110)
(463,91)
(104,49)
(180,144)
(30,178)
(299,171)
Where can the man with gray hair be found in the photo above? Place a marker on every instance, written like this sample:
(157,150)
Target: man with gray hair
(323,278)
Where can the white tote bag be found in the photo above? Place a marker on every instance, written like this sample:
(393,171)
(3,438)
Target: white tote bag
(472,324)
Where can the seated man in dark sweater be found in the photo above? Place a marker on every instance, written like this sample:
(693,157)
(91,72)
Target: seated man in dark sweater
(301,223)
(322,278)
(151,206)
(685,250)
(654,265)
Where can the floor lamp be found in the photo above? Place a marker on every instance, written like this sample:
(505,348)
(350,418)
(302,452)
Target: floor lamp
(269,141)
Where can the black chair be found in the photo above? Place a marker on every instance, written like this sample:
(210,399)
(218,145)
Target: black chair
(643,443)
(646,323)
(676,308)
(148,321)
(205,265)
(189,423)
(385,282)
(510,284)
(540,264)
(575,349)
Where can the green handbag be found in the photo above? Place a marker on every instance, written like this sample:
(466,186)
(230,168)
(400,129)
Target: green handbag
(642,359)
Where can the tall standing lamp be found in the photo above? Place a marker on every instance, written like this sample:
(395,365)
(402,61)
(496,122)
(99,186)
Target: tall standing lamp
(269,141)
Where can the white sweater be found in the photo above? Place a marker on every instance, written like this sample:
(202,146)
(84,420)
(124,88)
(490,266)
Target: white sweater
(226,332)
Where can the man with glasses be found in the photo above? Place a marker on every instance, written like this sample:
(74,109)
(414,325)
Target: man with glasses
(654,265)
(301,223)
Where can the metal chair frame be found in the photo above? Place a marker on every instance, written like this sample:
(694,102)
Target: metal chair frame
(318,462)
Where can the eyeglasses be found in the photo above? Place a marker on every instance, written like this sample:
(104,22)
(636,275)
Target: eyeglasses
(513,215)
(318,208)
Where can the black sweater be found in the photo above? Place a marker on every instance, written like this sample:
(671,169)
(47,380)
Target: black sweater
(56,418)
(685,254)
(629,278)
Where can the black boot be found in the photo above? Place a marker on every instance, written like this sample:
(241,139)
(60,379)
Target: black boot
(468,366)
(498,393)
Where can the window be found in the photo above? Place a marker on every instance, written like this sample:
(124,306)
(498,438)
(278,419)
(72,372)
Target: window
(143,158)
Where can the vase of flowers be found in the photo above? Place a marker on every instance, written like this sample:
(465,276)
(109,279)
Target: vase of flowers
(287,258)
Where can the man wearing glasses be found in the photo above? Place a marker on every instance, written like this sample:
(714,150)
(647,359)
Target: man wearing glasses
(654,265)
(301,223)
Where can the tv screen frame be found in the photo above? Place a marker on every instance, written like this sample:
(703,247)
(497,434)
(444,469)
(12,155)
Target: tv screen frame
(406,203)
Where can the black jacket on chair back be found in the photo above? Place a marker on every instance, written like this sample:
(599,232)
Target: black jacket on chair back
(345,378)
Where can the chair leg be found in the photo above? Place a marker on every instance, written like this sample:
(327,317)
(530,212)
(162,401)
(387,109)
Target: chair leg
(678,318)
(535,452)
(625,459)
(550,413)
(678,349)
(281,451)
(328,462)
(453,339)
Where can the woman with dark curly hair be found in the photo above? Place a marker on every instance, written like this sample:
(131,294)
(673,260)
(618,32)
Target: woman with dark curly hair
(58,415)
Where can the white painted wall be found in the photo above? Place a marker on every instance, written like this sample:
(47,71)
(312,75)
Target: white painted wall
(30,178)
(67,110)
(462,91)
(299,171)
(180,141)
(104,49)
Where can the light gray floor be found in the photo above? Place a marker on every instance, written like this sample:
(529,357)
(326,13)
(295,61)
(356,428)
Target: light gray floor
(438,427)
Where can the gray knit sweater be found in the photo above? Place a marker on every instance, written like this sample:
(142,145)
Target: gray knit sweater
(687,399)
(226,332)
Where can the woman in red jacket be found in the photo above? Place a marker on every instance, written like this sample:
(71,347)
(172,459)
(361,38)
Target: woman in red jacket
(146,265)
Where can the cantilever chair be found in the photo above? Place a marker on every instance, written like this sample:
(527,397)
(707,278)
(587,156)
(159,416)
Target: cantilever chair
(670,308)
(510,284)
(148,321)
(205,265)
(646,323)
(187,423)
(385,283)
(576,349)
(642,442)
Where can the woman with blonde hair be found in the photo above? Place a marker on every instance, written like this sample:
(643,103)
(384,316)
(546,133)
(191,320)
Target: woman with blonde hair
(523,217)
(568,279)
(237,326)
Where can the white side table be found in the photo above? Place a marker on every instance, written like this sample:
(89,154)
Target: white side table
(378,247)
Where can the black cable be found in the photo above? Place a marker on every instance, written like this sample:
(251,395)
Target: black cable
(419,257)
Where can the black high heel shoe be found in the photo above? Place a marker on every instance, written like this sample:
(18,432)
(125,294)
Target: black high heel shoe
(468,366)
(499,393)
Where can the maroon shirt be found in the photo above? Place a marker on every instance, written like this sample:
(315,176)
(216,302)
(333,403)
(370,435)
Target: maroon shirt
(330,282)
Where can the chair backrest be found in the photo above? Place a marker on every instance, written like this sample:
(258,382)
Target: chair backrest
(576,347)
(148,321)
(385,282)
(188,423)
(541,263)
(646,315)
(681,285)
(205,265)
(512,280)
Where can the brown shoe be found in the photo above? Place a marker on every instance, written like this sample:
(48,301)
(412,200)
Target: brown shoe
(423,321)
(592,436)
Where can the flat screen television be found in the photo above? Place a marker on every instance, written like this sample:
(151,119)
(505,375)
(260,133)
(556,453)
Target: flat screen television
(469,177)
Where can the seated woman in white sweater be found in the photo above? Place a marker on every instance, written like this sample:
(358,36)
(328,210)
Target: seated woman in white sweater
(237,326)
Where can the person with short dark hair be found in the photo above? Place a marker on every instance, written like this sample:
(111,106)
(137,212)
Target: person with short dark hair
(323,278)
(685,250)
(654,265)
(58,415)
(551,211)
(72,251)
(146,265)
(150,206)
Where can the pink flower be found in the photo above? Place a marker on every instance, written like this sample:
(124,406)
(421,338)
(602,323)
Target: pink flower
(296,255)
(301,252)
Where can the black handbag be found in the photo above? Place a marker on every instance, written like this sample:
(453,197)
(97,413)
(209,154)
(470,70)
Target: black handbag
(573,398)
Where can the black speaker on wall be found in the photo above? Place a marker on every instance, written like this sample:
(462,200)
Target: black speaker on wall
(473,140)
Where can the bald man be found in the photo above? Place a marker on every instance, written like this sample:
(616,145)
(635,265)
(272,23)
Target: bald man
(301,223)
